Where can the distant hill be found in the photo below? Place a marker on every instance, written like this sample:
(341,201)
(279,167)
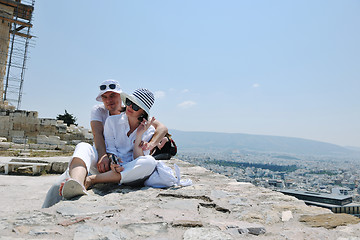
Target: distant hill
(211,141)
(357,149)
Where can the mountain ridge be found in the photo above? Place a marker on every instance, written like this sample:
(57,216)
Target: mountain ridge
(214,141)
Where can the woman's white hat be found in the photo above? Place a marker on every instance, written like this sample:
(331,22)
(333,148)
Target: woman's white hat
(141,97)
(109,85)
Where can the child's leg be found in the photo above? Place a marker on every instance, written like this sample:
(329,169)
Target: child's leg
(106,177)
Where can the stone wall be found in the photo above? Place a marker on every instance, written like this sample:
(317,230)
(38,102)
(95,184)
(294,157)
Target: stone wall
(22,127)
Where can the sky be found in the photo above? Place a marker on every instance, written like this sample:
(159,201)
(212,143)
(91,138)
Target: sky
(280,68)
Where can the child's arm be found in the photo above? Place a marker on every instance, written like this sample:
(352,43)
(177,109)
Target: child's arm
(144,125)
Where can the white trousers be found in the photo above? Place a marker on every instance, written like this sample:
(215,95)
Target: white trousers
(134,173)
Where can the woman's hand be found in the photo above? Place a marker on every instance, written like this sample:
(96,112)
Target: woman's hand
(116,168)
(144,125)
(115,163)
(147,146)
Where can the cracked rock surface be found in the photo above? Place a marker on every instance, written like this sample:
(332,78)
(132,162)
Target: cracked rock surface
(214,207)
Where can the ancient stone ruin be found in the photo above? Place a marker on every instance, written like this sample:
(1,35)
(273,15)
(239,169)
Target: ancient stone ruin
(24,128)
(20,128)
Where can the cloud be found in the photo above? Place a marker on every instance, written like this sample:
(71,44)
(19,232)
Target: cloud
(185,91)
(256,85)
(187,104)
(159,94)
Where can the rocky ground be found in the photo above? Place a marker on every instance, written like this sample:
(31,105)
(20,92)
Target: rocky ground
(214,207)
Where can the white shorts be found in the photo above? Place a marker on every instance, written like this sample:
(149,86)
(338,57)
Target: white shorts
(88,154)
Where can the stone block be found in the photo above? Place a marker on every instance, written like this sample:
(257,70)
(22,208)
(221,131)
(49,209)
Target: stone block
(4,133)
(17,126)
(75,142)
(33,146)
(62,128)
(5,122)
(54,138)
(51,140)
(5,145)
(73,129)
(19,113)
(15,133)
(33,114)
(58,167)
(19,140)
(48,122)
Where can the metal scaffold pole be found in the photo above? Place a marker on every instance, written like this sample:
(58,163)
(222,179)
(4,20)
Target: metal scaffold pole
(16,16)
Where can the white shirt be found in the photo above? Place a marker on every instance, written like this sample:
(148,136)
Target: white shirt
(116,140)
(99,113)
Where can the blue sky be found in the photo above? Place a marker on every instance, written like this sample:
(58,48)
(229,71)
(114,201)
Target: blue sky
(283,68)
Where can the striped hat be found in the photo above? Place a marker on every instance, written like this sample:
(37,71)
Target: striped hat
(141,97)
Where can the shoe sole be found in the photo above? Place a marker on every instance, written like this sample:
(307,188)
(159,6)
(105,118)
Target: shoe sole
(72,188)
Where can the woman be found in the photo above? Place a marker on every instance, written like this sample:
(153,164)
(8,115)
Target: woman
(124,134)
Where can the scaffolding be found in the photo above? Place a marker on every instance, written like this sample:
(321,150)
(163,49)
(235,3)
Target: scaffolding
(15,39)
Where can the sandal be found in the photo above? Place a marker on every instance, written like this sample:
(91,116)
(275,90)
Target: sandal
(72,188)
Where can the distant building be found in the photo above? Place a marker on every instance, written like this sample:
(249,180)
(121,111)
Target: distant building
(276,183)
(339,201)
(341,191)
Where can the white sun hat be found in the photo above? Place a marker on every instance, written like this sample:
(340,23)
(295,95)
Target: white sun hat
(109,85)
(141,97)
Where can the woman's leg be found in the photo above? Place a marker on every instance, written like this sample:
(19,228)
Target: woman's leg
(106,177)
(138,170)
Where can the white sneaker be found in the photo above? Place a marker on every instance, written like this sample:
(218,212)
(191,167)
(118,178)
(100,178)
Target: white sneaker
(73,188)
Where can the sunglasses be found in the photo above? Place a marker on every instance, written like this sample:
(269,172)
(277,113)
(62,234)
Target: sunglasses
(111,86)
(135,107)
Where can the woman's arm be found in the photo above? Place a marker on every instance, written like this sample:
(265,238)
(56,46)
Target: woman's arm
(160,131)
(97,128)
(137,152)
(138,149)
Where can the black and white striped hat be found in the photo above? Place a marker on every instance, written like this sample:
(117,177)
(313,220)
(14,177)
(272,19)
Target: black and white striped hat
(141,97)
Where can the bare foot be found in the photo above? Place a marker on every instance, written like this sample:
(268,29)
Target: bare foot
(88,182)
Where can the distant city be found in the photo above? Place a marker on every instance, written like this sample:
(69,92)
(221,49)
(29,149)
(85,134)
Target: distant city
(315,173)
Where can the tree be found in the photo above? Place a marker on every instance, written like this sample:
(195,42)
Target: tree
(68,118)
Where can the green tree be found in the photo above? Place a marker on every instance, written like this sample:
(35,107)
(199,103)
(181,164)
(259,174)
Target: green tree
(68,118)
